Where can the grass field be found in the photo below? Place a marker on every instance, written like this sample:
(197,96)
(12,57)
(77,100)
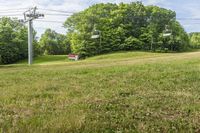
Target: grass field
(113,93)
(48,59)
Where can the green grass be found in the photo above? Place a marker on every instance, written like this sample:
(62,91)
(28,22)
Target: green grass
(119,92)
(47,59)
(122,55)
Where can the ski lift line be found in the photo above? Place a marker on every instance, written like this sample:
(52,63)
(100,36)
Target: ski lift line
(57,14)
(49,21)
(44,28)
(57,27)
(7,14)
(90,2)
(61,11)
(1,12)
(10,15)
(191,24)
(188,18)
(93,2)
(17,9)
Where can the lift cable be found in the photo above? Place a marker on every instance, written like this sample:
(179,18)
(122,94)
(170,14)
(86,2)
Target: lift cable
(17,9)
(49,21)
(52,14)
(61,11)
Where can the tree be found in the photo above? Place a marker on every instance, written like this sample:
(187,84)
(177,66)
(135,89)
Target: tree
(195,40)
(53,43)
(132,43)
(124,27)
(13,40)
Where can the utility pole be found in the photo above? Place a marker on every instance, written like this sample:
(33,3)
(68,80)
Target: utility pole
(29,16)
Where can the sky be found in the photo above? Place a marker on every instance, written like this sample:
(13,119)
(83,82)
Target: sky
(188,11)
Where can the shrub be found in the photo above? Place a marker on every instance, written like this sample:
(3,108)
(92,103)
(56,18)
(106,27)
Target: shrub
(132,43)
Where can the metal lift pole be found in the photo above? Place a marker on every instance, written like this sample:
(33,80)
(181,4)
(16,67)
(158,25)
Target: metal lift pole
(29,16)
(30,42)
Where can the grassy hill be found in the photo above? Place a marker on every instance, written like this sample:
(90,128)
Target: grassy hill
(47,59)
(119,92)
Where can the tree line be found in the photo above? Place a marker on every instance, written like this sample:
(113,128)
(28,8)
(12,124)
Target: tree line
(119,27)
(125,27)
(195,40)
(14,42)
(53,43)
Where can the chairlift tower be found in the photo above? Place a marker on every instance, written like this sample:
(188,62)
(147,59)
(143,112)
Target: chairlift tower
(29,16)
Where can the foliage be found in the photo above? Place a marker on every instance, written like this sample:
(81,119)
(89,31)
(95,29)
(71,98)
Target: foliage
(13,41)
(132,43)
(195,40)
(53,43)
(119,24)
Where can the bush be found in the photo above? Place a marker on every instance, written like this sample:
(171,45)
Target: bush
(9,53)
(13,41)
(132,43)
(166,50)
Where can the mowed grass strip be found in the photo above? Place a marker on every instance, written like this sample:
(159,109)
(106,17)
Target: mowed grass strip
(47,59)
(151,93)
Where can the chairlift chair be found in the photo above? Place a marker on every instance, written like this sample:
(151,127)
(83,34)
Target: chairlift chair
(95,34)
(167,32)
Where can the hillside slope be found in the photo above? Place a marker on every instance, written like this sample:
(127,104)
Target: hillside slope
(120,92)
